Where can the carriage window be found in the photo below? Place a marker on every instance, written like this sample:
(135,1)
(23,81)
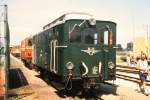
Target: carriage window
(29,42)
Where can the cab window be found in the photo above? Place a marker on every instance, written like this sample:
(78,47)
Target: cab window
(86,35)
(105,37)
(90,36)
(75,35)
(29,42)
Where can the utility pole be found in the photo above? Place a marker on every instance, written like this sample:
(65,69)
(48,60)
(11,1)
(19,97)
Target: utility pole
(147,42)
(6,46)
(6,35)
(147,31)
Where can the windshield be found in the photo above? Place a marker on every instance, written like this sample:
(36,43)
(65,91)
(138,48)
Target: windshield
(90,34)
(75,35)
(86,35)
(29,42)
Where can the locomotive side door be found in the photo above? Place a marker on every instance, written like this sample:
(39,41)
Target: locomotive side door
(54,55)
(108,52)
(34,54)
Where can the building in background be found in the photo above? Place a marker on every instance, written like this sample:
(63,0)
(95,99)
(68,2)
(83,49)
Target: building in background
(119,47)
(130,46)
(142,44)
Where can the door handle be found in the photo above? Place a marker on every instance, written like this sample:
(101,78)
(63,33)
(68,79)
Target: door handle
(61,46)
(115,47)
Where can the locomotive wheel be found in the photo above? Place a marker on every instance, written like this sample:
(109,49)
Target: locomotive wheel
(30,65)
(44,75)
(95,89)
(41,72)
(37,69)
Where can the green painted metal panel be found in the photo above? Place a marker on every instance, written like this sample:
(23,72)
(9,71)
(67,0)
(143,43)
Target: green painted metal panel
(74,52)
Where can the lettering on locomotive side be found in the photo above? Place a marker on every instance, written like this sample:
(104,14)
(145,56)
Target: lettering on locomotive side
(95,70)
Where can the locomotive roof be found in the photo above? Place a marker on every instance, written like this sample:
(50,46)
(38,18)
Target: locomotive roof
(67,16)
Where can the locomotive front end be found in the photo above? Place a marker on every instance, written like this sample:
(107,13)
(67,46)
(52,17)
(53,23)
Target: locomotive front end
(88,57)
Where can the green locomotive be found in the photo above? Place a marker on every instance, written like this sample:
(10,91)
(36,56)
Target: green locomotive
(75,48)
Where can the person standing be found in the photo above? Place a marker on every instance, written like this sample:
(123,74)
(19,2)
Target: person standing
(142,66)
(128,57)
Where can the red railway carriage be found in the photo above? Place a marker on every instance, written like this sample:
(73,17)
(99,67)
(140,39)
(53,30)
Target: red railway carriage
(26,50)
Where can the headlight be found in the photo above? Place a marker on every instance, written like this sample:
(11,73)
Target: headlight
(92,21)
(111,65)
(69,65)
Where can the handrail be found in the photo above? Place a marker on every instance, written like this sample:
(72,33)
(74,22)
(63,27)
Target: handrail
(100,66)
(51,56)
(54,61)
(86,68)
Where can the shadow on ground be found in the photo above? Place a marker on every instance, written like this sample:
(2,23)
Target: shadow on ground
(16,78)
(93,94)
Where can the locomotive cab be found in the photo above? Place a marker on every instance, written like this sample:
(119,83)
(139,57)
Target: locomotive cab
(90,50)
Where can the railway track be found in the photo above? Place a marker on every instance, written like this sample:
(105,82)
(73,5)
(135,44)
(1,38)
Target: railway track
(129,74)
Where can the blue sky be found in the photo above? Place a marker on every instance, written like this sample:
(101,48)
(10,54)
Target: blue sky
(26,17)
